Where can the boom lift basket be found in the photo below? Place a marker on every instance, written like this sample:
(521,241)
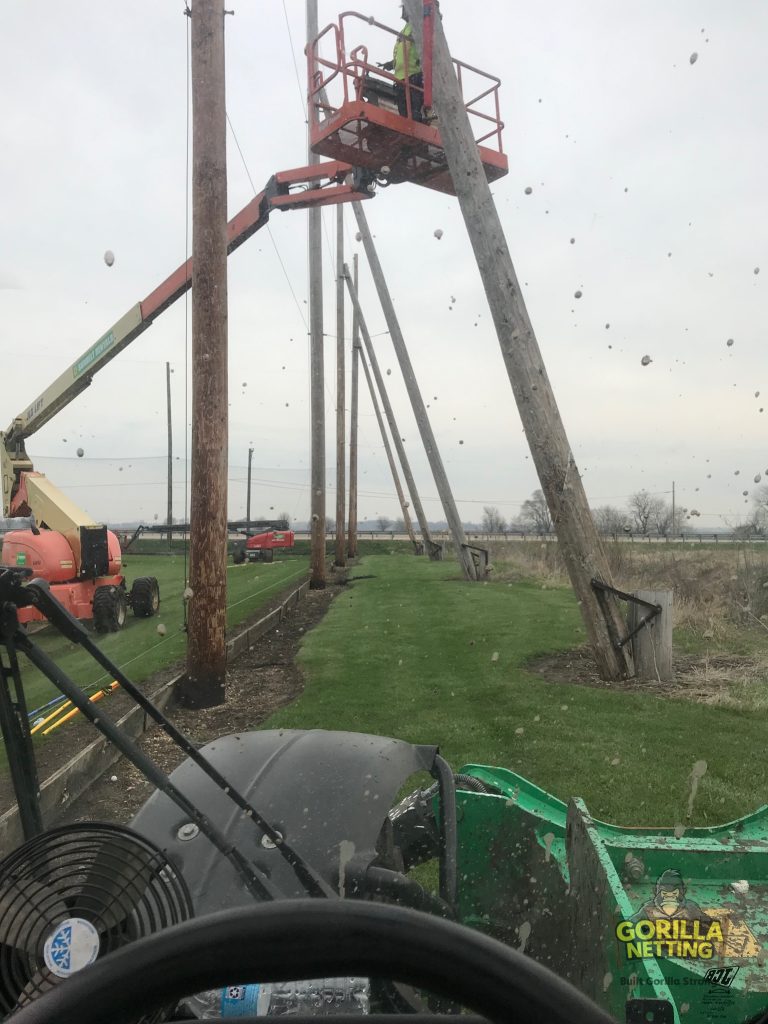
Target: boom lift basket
(354,115)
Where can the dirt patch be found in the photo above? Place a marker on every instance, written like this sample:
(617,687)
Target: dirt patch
(706,679)
(259,681)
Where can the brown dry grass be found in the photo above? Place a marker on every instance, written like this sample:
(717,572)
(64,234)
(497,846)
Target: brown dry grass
(720,607)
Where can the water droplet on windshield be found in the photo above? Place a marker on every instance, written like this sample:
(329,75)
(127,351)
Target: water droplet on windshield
(693,58)
(729,343)
(698,772)
(646,361)
(577,295)
(528,190)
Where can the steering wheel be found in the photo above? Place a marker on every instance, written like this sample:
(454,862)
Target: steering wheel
(315,938)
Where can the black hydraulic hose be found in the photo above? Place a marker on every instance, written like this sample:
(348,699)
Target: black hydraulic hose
(448,832)
(471,783)
(406,891)
(54,611)
(258,885)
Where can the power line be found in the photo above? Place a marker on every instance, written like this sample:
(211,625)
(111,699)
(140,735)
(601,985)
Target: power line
(268,231)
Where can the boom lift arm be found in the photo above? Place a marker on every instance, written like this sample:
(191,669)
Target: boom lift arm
(322,185)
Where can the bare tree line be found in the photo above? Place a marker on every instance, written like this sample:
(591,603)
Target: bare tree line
(645,515)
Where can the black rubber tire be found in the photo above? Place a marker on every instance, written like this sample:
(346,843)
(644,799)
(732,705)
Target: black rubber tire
(110,608)
(238,556)
(145,597)
(261,555)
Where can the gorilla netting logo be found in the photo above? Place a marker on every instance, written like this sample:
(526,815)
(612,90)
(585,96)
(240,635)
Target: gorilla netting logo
(671,925)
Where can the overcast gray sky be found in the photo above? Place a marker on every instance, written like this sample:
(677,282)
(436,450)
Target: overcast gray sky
(654,165)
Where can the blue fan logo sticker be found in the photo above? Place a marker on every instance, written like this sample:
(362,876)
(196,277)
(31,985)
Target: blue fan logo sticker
(60,947)
(73,945)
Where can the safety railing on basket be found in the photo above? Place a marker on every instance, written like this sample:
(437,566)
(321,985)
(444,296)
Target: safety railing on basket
(349,74)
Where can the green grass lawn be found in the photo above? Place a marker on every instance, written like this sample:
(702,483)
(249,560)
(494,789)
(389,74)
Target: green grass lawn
(411,654)
(138,648)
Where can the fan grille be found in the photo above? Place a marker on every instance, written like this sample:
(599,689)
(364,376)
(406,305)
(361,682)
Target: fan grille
(103,874)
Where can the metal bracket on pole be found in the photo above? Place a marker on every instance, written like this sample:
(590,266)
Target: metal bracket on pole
(480,558)
(655,609)
(435,551)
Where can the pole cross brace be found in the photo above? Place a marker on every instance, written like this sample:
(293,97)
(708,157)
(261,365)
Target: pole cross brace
(479,557)
(655,609)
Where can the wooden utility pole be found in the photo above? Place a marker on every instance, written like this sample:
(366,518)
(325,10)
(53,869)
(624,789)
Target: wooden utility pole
(341,455)
(390,456)
(417,402)
(248,496)
(169,514)
(550,450)
(674,512)
(316,357)
(204,683)
(430,546)
(352,531)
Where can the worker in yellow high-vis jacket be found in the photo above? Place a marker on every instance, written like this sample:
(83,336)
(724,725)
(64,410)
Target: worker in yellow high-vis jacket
(406,66)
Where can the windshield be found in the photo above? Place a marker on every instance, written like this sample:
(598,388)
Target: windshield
(478,464)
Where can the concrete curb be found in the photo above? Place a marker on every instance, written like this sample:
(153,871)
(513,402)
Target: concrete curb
(73,779)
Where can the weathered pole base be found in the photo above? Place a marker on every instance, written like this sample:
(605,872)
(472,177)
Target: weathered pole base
(204,689)
(317,584)
(435,552)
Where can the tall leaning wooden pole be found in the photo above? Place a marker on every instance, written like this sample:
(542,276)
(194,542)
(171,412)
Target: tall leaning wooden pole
(551,452)
(317,370)
(169,511)
(428,438)
(204,683)
(341,455)
(353,411)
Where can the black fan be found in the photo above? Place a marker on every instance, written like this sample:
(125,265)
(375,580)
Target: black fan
(74,894)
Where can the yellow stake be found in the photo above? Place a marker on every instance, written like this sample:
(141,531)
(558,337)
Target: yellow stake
(71,714)
(53,714)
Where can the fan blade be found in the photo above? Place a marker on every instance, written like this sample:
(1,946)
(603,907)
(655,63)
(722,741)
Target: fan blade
(115,883)
(29,910)
(41,981)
